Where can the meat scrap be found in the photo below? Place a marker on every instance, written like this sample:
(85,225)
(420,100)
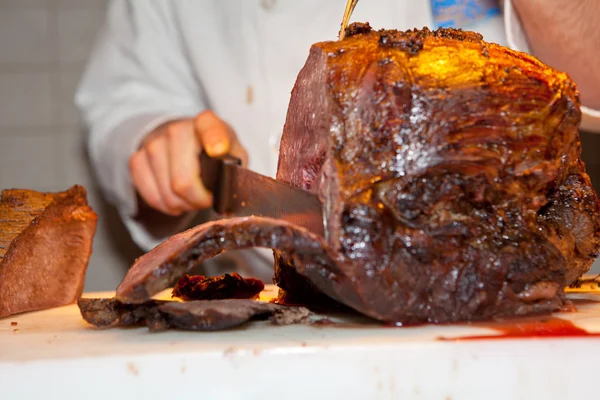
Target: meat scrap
(450,173)
(226,286)
(45,245)
(196,315)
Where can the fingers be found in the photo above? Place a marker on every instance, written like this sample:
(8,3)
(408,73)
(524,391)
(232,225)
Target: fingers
(157,153)
(184,167)
(213,134)
(143,179)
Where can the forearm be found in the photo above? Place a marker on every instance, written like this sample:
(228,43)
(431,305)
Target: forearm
(565,34)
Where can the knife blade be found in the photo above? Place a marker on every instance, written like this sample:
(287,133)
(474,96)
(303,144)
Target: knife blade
(238,191)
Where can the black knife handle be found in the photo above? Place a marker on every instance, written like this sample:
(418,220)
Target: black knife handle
(217,176)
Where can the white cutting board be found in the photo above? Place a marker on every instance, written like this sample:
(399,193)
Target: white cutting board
(54,354)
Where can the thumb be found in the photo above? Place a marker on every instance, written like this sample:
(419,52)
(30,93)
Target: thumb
(213,134)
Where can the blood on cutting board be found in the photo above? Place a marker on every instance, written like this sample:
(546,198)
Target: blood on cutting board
(518,329)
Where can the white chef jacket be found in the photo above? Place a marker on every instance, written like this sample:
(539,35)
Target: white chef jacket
(158,60)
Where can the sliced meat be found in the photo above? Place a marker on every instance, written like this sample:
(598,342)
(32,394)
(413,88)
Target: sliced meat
(199,315)
(226,286)
(165,264)
(45,245)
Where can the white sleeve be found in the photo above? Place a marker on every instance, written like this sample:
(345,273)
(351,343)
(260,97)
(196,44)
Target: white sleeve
(517,40)
(137,78)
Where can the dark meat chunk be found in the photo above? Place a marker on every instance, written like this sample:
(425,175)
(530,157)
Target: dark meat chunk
(226,286)
(451,178)
(450,173)
(45,245)
(570,221)
(198,315)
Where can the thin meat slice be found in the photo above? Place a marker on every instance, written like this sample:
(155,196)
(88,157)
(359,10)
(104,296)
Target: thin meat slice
(200,315)
(226,286)
(45,245)
(166,263)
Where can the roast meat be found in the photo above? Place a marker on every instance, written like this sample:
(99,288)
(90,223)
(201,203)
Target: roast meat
(451,173)
(45,245)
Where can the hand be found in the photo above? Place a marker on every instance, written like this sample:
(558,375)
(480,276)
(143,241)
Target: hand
(166,169)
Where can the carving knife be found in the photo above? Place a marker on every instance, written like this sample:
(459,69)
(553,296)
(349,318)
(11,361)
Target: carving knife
(240,192)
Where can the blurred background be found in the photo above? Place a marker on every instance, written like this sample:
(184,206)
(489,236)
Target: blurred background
(44,45)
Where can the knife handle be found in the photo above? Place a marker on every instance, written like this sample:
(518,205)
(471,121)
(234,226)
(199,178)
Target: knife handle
(217,176)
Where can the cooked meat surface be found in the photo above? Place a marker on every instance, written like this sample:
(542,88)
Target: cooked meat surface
(450,173)
(226,286)
(45,244)
(198,315)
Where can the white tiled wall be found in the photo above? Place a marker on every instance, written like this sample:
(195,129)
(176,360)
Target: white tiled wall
(43,48)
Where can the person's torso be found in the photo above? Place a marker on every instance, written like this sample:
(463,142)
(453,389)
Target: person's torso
(246,54)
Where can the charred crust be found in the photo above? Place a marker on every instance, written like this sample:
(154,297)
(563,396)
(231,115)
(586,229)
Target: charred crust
(406,41)
(412,40)
(485,50)
(361,28)
(358,28)
(456,34)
